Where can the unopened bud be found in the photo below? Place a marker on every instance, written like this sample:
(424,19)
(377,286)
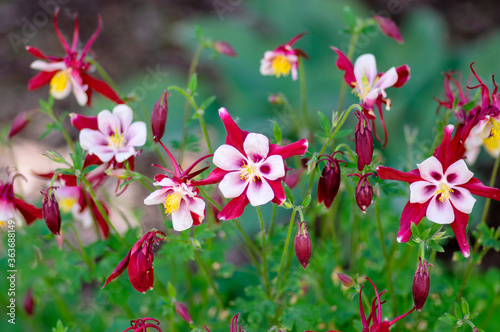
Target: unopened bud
(29,302)
(224,48)
(364,191)
(183,311)
(119,173)
(302,244)
(329,181)
(345,280)
(21,121)
(421,284)
(389,28)
(50,210)
(363,140)
(159,116)
(276,99)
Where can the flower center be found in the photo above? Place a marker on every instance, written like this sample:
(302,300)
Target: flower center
(60,81)
(444,190)
(66,204)
(172,202)
(363,88)
(281,66)
(249,172)
(116,141)
(491,143)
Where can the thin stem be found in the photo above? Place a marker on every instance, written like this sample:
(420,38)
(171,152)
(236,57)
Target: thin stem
(64,132)
(264,252)
(105,76)
(283,256)
(303,94)
(209,277)
(82,248)
(343,85)
(204,130)
(273,220)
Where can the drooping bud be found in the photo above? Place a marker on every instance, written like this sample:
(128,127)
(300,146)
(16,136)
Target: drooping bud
(421,284)
(21,121)
(329,181)
(159,116)
(29,302)
(50,210)
(389,28)
(302,244)
(364,191)
(183,311)
(224,48)
(345,280)
(363,140)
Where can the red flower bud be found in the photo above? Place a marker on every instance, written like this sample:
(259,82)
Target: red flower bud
(329,181)
(183,311)
(224,48)
(302,244)
(29,302)
(50,210)
(345,279)
(389,28)
(421,284)
(363,140)
(364,191)
(21,121)
(159,116)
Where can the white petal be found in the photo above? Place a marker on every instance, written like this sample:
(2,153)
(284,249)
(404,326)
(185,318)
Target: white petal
(259,192)
(431,170)
(229,158)
(91,138)
(125,115)
(440,212)
(166,182)
(197,205)
(458,173)
(232,185)
(365,65)
(108,124)
(79,92)
(388,79)
(105,153)
(157,197)
(136,134)
(124,153)
(47,66)
(6,209)
(421,191)
(181,218)
(256,146)
(273,167)
(462,200)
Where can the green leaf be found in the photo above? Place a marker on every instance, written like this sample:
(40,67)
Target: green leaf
(89,169)
(306,201)
(414,230)
(50,128)
(457,311)
(465,306)
(200,35)
(193,84)
(171,290)
(288,193)
(324,122)
(436,247)
(342,133)
(66,171)
(59,327)
(277,133)
(426,233)
(207,102)
(448,319)
(350,18)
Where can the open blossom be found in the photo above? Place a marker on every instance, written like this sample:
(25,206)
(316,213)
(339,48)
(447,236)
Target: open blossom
(249,168)
(116,136)
(441,189)
(369,85)
(139,262)
(283,60)
(69,73)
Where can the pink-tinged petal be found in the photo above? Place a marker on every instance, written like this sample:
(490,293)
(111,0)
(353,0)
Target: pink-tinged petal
(165,182)
(181,218)
(124,153)
(232,185)
(444,152)
(259,192)
(81,122)
(388,79)
(344,64)
(36,52)
(365,66)
(476,187)
(29,212)
(125,115)
(105,153)
(229,158)
(79,91)
(440,212)
(273,168)
(47,66)
(462,200)
(387,173)
(235,136)
(295,149)
(89,139)
(266,64)
(40,79)
(458,173)
(214,177)
(118,270)
(256,146)
(156,197)
(136,134)
(197,206)
(6,209)
(101,87)
(108,123)
(279,192)
(431,169)
(403,75)
(412,213)
(421,191)
(459,227)
(295,75)
(234,209)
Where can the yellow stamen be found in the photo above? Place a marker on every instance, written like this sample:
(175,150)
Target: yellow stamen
(281,66)
(445,191)
(249,172)
(66,204)
(172,202)
(60,81)
(492,142)
(116,141)
(364,88)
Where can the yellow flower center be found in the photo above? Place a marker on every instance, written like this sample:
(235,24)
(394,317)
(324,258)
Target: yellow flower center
(172,202)
(491,143)
(445,191)
(364,88)
(66,204)
(116,141)
(249,172)
(281,66)
(60,81)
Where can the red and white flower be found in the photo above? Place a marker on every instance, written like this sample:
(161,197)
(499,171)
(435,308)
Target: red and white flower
(282,60)
(11,205)
(116,136)
(249,168)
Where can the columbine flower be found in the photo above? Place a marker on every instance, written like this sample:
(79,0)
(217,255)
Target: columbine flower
(282,60)
(329,181)
(159,116)
(224,48)
(369,85)
(234,327)
(440,189)
(142,325)
(21,121)
(183,311)
(249,168)
(51,213)
(69,74)
(389,28)
(364,191)
(116,136)
(11,204)
(139,261)
(302,244)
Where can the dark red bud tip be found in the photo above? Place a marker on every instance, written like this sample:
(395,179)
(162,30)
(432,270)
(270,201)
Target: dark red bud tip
(159,116)
(364,193)
(302,245)
(51,213)
(21,121)
(345,279)
(183,311)
(421,284)
(224,48)
(389,28)
(29,302)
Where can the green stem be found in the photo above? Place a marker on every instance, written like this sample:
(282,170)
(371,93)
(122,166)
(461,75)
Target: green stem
(252,250)
(204,130)
(277,290)
(82,248)
(264,252)
(64,132)
(343,85)
(209,277)
(303,94)
(273,220)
